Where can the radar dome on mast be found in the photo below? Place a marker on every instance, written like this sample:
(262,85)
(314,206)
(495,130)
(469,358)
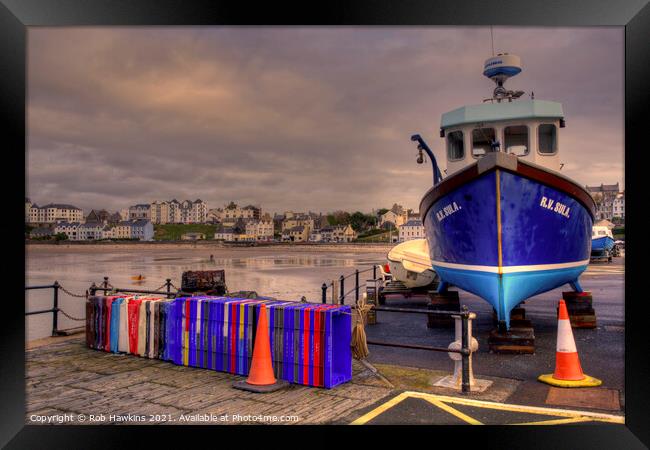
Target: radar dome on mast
(499,68)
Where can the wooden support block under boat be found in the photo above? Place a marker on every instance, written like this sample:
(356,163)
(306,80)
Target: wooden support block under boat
(580,308)
(446,301)
(517,340)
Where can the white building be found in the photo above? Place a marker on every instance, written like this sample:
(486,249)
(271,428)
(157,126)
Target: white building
(52,213)
(70,229)
(140,229)
(90,231)
(107,232)
(261,229)
(619,206)
(141,211)
(604,197)
(173,211)
(413,229)
(316,236)
(226,234)
(232,212)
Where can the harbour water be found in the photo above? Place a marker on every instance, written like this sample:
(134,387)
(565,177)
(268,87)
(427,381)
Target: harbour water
(284,273)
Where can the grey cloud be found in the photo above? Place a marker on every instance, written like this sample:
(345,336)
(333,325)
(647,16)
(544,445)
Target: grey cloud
(304,118)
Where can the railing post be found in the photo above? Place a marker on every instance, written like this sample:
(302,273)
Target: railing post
(464,316)
(55,309)
(324,289)
(342,295)
(105,286)
(169,287)
(356,286)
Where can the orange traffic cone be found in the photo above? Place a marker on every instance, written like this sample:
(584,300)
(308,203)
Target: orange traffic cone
(568,372)
(260,375)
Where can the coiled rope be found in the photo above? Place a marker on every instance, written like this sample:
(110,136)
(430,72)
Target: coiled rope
(359,343)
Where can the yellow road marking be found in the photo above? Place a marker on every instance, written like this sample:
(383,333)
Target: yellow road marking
(380,409)
(441,401)
(557,421)
(455,412)
(520,408)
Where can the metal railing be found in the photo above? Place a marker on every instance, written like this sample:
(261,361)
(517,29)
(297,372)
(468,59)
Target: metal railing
(341,285)
(464,315)
(105,286)
(55,305)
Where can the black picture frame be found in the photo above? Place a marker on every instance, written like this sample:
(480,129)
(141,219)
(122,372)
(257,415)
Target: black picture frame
(17,15)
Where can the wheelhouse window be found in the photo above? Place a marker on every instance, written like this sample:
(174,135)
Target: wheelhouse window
(455,146)
(516,140)
(482,139)
(547,138)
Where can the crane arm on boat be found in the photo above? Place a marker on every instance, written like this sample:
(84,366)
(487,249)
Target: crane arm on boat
(437,176)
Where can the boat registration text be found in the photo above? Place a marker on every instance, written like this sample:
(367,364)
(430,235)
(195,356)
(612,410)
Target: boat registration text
(447,211)
(554,206)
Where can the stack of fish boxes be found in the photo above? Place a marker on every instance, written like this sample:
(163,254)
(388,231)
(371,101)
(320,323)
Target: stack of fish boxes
(128,324)
(310,343)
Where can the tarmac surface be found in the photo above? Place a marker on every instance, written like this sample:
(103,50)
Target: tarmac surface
(601,350)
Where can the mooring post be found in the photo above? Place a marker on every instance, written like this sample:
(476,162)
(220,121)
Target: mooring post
(105,286)
(356,286)
(464,316)
(55,309)
(324,289)
(342,295)
(374,271)
(169,287)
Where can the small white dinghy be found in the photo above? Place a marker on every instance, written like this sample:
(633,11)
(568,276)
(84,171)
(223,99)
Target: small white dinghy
(410,264)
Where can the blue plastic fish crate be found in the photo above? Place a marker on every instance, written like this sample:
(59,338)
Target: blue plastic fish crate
(310,343)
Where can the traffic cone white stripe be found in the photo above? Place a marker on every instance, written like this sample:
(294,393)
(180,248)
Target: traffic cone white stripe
(565,341)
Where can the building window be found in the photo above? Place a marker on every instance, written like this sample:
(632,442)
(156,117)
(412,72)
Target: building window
(482,139)
(515,140)
(547,138)
(455,146)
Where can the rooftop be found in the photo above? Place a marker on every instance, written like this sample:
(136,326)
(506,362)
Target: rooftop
(413,223)
(492,112)
(60,206)
(604,188)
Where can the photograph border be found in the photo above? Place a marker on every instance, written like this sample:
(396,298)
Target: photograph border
(17,15)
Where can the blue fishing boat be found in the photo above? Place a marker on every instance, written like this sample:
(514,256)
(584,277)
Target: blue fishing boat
(504,224)
(601,239)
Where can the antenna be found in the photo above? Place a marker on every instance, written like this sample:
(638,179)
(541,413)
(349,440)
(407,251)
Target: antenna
(499,68)
(492,38)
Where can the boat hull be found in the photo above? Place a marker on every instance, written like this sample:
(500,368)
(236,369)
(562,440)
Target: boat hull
(602,243)
(506,237)
(411,279)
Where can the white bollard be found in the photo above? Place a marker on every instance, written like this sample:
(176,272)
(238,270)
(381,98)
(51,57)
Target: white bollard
(455,381)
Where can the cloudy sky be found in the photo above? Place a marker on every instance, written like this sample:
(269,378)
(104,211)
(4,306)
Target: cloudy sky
(292,118)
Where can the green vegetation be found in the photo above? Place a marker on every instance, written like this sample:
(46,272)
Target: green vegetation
(358,220)
(173,232)
(60,237)
(374,236)
(618,232)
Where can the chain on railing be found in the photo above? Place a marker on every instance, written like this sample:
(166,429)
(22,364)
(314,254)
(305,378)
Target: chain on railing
(71,294)
(78,319)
